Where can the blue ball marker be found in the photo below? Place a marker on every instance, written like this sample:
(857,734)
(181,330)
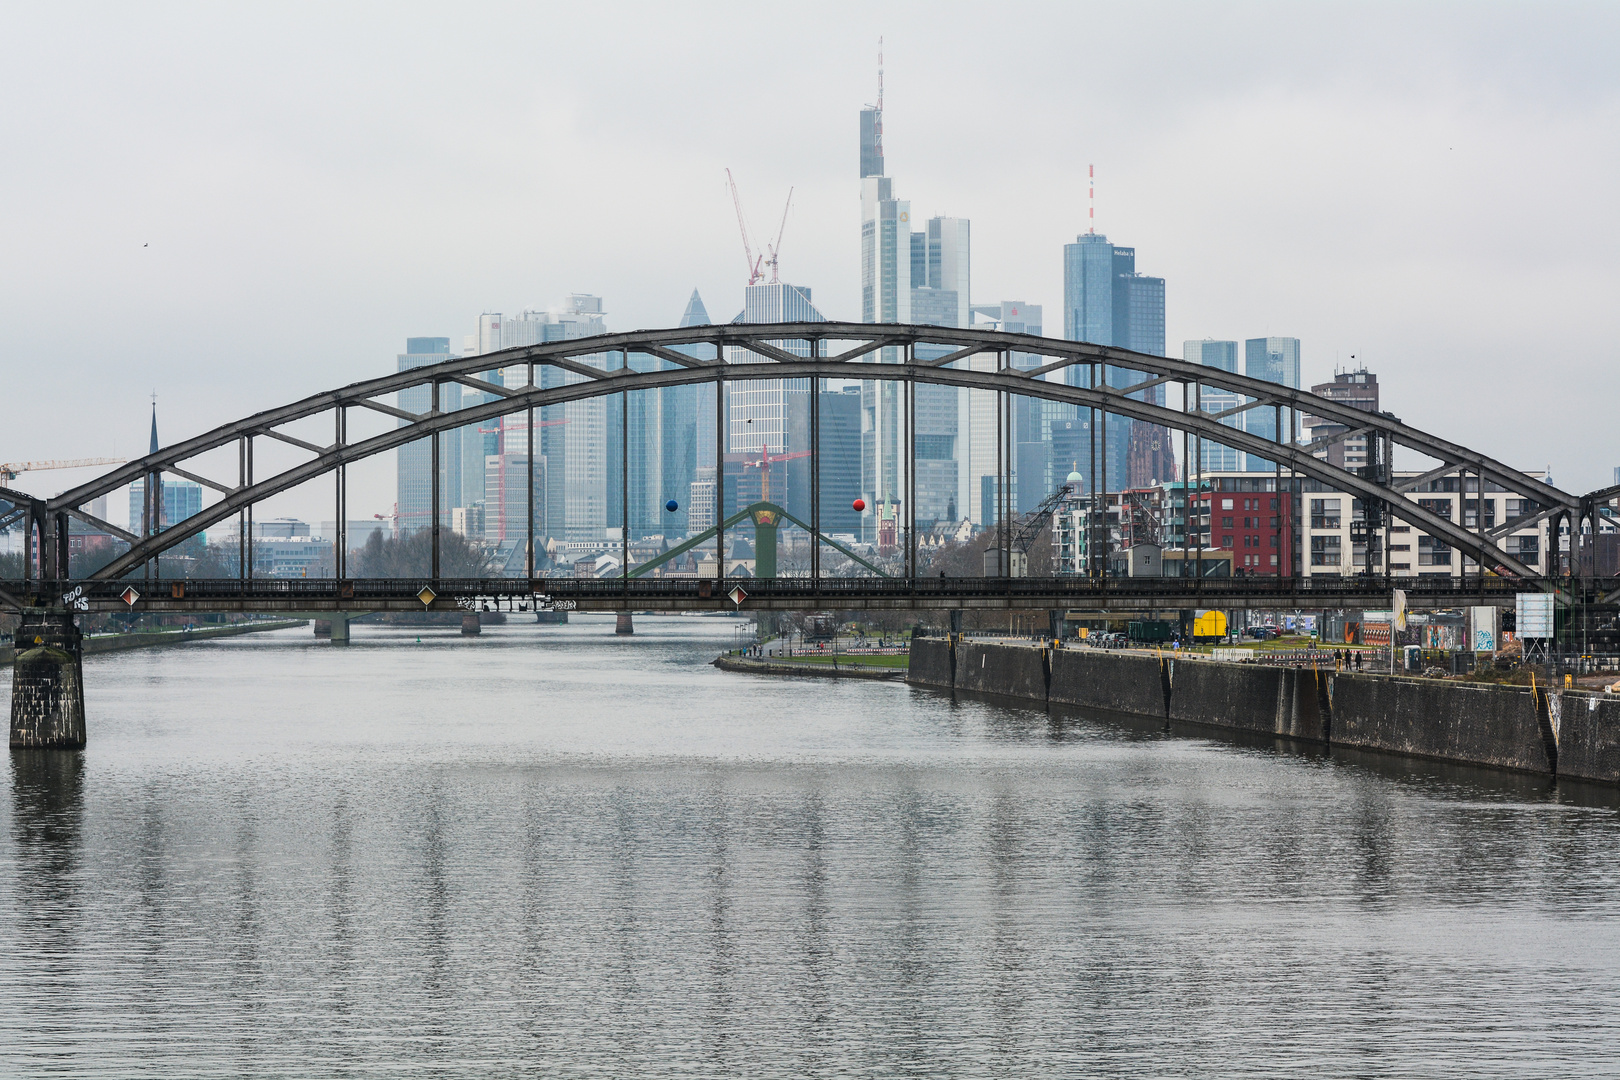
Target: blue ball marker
(672,506)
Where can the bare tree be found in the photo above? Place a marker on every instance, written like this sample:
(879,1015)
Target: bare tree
(411,556)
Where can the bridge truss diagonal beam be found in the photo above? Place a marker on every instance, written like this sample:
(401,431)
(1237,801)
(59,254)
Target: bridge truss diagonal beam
(573,356)
(1433,474)
(1328,440)
(1234,410)
(677,358)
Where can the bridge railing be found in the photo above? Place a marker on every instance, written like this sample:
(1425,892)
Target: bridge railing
(1210,592)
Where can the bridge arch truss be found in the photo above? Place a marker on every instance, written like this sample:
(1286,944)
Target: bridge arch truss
(843,351)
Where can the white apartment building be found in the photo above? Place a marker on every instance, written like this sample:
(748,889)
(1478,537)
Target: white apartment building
(1327,522)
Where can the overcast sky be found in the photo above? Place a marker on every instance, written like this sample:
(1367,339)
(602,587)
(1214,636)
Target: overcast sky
(235,206)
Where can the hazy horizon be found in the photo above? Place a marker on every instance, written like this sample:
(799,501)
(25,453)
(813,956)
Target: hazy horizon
(237,207)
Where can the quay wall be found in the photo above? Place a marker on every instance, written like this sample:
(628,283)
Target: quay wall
(1484,725)
(1588,735)
(1574,734)
(1123,682)
(762,666)
(931,663)
(997,669)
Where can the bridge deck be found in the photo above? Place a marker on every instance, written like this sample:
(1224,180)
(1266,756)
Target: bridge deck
(271,595)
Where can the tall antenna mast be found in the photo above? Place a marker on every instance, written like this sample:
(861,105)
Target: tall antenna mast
(878,134)
(1091,208)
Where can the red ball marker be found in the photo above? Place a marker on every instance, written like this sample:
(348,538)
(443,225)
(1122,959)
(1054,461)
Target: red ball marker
(859,504)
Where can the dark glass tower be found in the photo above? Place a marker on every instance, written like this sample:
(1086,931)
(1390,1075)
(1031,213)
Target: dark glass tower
(1106,302)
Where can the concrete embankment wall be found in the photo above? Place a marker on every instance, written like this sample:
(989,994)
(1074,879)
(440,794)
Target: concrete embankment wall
(1566,733)
(1118,681)
(996,669)
(1486,725)
(120,642)
(826,671)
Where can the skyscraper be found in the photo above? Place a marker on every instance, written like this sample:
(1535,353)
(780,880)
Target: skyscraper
(1030,439)
(1209,456)
(840,455)
(1107,302)
(772,416)
(885,297)
(1274,359)
(872,140)
(941,282)
(685,429)
(579,441)
(414,461)
(663,441)
(909,276)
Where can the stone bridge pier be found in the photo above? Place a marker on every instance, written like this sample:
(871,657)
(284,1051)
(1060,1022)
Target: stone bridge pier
(47,683)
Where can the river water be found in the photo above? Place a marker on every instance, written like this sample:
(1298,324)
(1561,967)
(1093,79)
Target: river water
(553,851)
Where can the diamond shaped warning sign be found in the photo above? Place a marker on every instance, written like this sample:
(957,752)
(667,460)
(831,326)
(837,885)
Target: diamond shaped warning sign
(129,596)
(737,595)
(427,596)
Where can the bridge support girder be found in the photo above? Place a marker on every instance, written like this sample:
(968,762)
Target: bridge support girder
(47,683)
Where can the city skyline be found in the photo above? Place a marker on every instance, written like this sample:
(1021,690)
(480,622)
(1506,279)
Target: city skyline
(1249,242)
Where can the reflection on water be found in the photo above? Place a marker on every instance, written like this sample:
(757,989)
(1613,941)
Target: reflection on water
(551,850)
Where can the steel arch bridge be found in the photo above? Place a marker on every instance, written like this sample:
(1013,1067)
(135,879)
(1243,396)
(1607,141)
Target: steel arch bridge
(750,352)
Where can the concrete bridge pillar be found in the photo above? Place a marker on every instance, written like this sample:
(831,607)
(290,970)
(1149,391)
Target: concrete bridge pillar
(470,624)
(336,628)
(624,625)
(47,683)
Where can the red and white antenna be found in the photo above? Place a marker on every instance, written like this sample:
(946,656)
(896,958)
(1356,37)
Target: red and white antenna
(1091,196)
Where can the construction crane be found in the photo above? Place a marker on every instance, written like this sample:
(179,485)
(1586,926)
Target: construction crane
(757,263)
(9,471)
(773,250)
(763,463)
(742,224)
(1026,527)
